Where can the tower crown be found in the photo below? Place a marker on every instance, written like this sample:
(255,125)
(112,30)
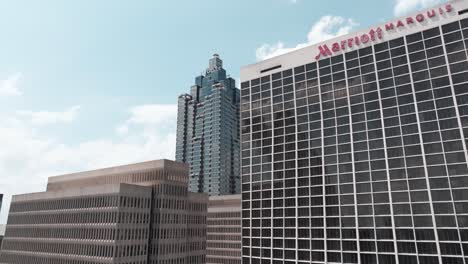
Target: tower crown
(215,63)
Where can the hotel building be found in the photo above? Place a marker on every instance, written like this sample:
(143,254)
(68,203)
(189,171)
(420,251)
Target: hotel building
(355,150)
(133,214)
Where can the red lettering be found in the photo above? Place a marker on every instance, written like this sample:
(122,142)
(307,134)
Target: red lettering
(343,44)
(379,33)
(389,26)
(364,38)
(420,18)
(448,8)
(323,51)
(372,34)
(336,47)
(431,13)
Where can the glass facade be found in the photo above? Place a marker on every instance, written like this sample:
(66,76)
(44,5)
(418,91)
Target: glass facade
(208,132)
(360,157)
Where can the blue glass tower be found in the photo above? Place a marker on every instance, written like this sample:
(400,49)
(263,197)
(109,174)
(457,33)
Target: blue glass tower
(208,132)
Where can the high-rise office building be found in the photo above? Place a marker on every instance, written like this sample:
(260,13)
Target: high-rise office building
(208,132)
(135,214)
(355,150)
(223,225)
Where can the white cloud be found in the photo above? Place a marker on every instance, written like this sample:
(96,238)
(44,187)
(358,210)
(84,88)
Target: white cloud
(403,7)
(9,86)
(267,51)
(326,28)
(330,27)
(27,159)
(153,114)
(48,117)
(149,115)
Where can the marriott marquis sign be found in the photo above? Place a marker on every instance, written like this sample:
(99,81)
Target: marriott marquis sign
(377,34)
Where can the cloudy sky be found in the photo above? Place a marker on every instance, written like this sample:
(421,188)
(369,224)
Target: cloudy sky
(86,84)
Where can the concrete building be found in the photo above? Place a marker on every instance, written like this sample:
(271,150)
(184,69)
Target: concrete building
(134,214)
(224,230)
(2,233)
(2,227)
(354,150)
(208,132)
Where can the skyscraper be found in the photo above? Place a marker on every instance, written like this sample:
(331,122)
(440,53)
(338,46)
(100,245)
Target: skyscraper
(355,150)
(208,132)
(139,213)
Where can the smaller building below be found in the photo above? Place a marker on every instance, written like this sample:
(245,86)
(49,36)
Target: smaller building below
(2,227)
(224,230)
(2,233)
(140,213)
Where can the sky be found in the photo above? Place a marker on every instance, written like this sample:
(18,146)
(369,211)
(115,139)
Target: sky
(88,84)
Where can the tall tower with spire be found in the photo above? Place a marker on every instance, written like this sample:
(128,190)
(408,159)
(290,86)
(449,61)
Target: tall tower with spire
(208,132)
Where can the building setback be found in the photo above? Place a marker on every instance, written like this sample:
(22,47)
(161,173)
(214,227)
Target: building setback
(224,230)
(134,214)
(355,150)
(208,132)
